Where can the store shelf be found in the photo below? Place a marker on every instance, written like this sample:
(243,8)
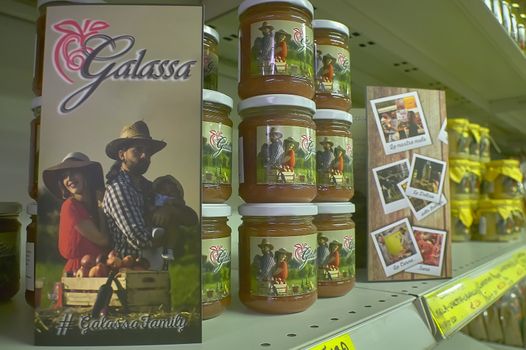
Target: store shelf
(375,315)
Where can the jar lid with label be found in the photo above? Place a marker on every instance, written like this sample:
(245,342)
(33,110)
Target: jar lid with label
(274,100)
(278,209)
(332,25)
(332,114)
(245,5)
(44,2)
(215,210)
(207,30)
(10,208)
(336,208)
(217,97)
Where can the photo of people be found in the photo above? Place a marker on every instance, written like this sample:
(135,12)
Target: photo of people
(426,178)
(396,247)
(420,208)
(387,178)
(401,123)
(333,70)
(279,48)
(431,244)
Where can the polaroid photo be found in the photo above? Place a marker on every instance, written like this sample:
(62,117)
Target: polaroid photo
(431,244)
(401,122)
(420,207)
(396,247)
(426,178)
(442,134)
(387,177)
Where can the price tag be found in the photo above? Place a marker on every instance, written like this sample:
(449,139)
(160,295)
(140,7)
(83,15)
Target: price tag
(343,342)
(452,305)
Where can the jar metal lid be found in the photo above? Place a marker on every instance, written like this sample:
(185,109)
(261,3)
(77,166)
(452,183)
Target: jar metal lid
(36,102)
(212,32)
(245,5)
(474,126)
(10,208)
(32,208)
(336,208)
(43,2)
(328,24)
(333,114)
(278,209)
(276,100)
(217,97)
(457,121)
(215,210)
(484,130)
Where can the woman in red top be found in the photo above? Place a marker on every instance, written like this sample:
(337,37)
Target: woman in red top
(79,182)
(281,272)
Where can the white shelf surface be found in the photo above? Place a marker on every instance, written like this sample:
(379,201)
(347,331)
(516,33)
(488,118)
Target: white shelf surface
(375,315)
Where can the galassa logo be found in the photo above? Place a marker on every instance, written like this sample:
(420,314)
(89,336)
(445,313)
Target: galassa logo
(303,253)
(219,143)
(83,52)
(218,256)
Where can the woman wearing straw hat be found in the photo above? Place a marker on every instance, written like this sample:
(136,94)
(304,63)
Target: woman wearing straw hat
(79,182)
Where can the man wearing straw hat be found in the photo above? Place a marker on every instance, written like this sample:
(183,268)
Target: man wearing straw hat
(129,195)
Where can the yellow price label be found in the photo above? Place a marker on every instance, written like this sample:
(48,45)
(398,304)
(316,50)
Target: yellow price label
(455,303)
(343,342)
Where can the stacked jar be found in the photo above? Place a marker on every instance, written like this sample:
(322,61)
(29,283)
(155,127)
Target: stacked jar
(216,178)
(277,152)
(285,156)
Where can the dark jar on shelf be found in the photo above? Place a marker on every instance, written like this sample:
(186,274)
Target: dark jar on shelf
(216,269)
(9,250)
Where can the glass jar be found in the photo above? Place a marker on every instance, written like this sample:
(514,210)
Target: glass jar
(10,250)
(332,65)
(461,220)
(34,147)
(334,156)
(497,10)
(504,179)
(515,15)
(506,15)
(485,145)
(31,238)
(277,146)
(276,52)
(474,143)
(475,170)
(277,257)
(518,215)
(210,58)
(336,248)
(459,138)
(474,210)
(461,176)
(495,221)
(215,290)
(217,147)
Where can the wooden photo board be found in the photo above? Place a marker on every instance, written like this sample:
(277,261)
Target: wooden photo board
(408,209)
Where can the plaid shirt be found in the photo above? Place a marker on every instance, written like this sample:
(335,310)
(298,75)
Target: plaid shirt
(124,206)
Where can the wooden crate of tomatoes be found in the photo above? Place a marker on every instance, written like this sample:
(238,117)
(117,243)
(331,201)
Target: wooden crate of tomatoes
(144,290)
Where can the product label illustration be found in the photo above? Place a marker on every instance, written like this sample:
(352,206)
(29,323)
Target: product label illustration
(215,269)
(336,255)
(282,48)
(217,153)
(334,161)
(286,155)
(283,266)
(333,70)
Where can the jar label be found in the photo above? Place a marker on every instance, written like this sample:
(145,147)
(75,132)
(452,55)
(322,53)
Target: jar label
(334,161)
(285,155)
(210,69)
(280,47)
(283,266)
(217,153)
(336,255)
(333,70)
(216,269)
(8,244)
(30,266)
